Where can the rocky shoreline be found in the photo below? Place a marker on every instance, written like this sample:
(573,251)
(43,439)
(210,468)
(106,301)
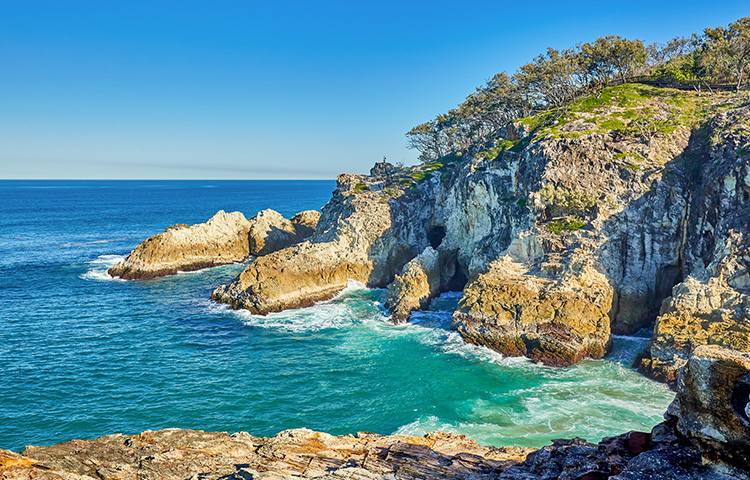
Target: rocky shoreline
(705,435)
(225,238)
(565,232)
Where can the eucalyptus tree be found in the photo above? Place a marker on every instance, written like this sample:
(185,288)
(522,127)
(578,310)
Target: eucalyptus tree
(727,50)
(610,56)
(551,79)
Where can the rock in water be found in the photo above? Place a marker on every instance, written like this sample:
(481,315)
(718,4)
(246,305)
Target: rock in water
(269,231)
(352,242)
(550,316)
(221,240)
(417,284)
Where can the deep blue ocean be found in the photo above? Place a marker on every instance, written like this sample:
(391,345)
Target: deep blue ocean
(82,355)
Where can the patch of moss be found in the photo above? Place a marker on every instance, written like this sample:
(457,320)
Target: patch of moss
(521,202)
(361,187)
(565,225)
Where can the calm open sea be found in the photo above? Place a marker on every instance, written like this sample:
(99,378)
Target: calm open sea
(82,355)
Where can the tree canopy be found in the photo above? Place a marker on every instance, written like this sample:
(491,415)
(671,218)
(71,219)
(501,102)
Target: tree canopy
(557,77)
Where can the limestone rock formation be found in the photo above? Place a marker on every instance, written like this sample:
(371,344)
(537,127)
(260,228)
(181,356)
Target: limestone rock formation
(221,240)
(415,286)
(270,231)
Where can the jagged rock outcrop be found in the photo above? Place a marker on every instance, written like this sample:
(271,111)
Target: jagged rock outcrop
(221,240)
(270,231)
(551,316)
(415,286)
(714,402)
(225,238)
(612,216)
(354,241)
(712,305)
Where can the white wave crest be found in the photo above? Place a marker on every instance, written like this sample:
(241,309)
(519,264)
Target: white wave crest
(344,310)
(97,268)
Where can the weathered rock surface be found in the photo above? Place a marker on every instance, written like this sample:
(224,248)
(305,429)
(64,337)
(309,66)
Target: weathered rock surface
(180,454)
(574,233)
(415,286)
(551,316)
(270,231)
(351,243)
(712,305)
(223,239)
(714,402)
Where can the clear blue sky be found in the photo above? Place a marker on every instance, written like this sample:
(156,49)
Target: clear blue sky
(242,89)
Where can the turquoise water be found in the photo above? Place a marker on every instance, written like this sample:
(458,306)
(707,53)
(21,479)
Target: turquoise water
(82,355)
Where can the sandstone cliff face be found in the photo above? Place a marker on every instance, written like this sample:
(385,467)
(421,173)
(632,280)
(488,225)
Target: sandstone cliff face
(712,305)
(574,233)
(223,239)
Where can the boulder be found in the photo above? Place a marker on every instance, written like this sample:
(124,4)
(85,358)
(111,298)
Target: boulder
(556,319)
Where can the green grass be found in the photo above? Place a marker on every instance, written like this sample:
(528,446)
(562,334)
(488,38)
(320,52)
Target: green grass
(565,225)
(361,187)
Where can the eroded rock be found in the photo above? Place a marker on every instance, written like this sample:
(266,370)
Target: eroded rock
(269,231)
(415,286)
(225,238)
(556,318)
(301,453)
(221,240)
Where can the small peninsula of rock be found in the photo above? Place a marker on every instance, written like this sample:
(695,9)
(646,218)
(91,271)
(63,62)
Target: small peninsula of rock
(225,238)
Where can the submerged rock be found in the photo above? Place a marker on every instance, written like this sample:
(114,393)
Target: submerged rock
(225,238)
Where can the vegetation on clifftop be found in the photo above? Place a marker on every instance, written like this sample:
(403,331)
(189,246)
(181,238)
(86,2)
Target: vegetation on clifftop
(569,87)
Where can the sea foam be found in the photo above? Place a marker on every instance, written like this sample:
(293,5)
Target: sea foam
(97,269)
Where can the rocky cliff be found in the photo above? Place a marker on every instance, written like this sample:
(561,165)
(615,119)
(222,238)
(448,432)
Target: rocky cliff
(576,224)
(225,238)
(706,435)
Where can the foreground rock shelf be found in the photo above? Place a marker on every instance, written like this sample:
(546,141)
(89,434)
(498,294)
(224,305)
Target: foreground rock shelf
(705,435)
